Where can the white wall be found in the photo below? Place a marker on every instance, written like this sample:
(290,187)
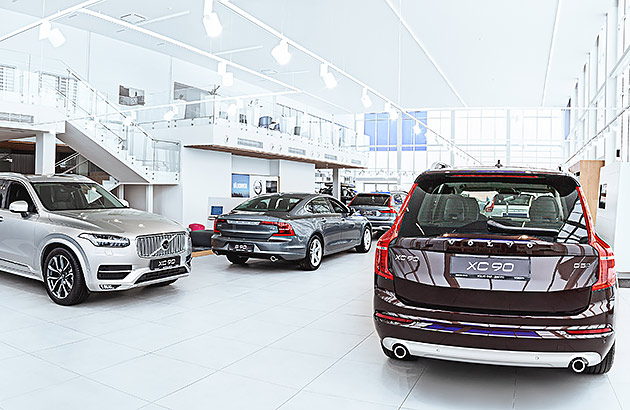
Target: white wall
(296,176)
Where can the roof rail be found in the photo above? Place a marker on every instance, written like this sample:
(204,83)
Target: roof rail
(440,165)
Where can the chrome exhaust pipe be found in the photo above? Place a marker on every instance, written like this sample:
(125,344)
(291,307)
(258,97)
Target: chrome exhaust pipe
(578,365)
(274,258)
(400,352)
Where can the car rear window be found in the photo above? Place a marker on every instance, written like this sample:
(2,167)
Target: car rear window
(371,199)
(270,203)
(545,206)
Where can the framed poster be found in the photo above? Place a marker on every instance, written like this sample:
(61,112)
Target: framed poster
(240,186)
(130,96)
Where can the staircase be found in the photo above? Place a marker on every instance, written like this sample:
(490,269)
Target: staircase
(104,135)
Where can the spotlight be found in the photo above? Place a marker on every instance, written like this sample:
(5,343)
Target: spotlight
(329,79)
(365,99)
(211,20)
(281,52)
(54,35)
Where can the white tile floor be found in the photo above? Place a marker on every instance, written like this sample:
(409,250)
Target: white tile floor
(264,336)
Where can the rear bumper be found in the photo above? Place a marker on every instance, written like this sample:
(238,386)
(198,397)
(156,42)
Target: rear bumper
(489,356)
(494,338)
(288,249)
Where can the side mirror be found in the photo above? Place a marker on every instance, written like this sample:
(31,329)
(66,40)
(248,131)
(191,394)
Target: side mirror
(124,202)
(19,207)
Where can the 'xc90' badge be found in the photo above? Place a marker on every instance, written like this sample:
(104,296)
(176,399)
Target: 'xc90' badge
(407,258)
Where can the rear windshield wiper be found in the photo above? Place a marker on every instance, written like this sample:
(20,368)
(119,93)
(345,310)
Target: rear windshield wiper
(494,226)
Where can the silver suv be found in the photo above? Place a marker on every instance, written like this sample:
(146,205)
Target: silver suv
(77,238)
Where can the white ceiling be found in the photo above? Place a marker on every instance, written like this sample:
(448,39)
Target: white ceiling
(494,52)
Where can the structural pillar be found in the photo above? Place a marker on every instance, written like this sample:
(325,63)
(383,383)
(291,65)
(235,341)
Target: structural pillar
(45,153)
(149,198)
(336,188)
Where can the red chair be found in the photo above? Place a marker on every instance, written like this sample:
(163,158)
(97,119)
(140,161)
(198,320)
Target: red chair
(196,227)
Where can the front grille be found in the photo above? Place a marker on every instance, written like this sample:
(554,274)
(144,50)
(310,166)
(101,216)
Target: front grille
(166,244)
(161,274)
(113,272)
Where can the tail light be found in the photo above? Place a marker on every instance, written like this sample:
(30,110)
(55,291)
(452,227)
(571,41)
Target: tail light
(393,318)
(216,224)
(490,206)
(589,331)
(284,228)
(607,273)
(389,211)
(381,267)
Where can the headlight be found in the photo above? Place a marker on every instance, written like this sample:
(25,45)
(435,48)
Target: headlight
(107,241)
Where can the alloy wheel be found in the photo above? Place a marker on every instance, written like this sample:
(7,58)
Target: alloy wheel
(316,252)
(60,276)
(367,239)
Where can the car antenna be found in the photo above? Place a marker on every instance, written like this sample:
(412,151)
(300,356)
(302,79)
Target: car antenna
(498,164)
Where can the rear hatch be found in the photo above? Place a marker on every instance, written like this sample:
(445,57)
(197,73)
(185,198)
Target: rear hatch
(449,255)
(373,206)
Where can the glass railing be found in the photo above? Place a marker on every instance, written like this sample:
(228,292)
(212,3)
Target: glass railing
(51,83)
(258,114)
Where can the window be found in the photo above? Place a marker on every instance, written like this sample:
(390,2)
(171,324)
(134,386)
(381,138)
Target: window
(548,207)
(18,192)
(66,196)
(319,206)
(270,203)
(338,207)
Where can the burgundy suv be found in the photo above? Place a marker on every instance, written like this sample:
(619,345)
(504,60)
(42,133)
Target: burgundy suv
(455,282)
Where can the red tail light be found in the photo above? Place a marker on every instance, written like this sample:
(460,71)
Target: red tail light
(389,211)
(490,206)
(216,223)
(394,318)
(284,228)
(607,273)
(381,267)
(589,331)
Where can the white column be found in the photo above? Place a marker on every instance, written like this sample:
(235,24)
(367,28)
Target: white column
(45,153)
(610,138)
(149,190)
(336,184)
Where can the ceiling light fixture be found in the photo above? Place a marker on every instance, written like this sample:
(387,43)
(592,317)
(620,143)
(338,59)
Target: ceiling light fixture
(329,79)
(211,21)
(54,35)
(365,99)
(281,52)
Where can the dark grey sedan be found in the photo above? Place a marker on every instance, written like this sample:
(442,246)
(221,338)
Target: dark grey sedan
(290,226)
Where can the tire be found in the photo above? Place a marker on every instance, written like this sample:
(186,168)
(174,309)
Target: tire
(63,278)
(605,365)
(236,259)
(366,241)
(162,284)
(314,254)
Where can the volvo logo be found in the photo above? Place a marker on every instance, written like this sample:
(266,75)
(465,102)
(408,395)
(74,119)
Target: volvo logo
(165,244)
(406,258)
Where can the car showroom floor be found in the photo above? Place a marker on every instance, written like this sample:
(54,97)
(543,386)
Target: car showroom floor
(263,336)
